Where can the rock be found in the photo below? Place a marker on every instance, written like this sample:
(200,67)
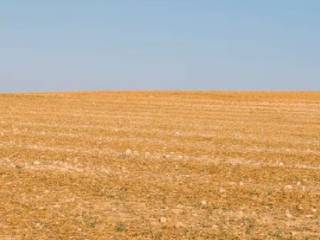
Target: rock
(18,166)
(240,214)
(163,220)
(241,183)
(222,190)
(177,211)
(38,225)
(204,203)
(215,227)
(179,225)
(288,187)
(36,163)
(299,207)
(128,152)
(136,153)
(288,214)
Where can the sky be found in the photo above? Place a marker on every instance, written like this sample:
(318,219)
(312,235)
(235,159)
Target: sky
(65,45)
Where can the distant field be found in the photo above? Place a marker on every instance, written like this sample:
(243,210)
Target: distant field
(160,165)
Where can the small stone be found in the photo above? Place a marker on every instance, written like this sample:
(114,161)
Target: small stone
(177,211)
(215,227)
(288,214)
(232,183)
(298,183)
(128,152)
(288,187)
(314,210)
(163,220)
(36,163)
(222,190)
(281,164)
(204,203)
(240,214)
(300,207)
(136,153)
(18,166)
(241,183)
(179,225)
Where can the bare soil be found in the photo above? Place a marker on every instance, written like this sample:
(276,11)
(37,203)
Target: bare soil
(160,165)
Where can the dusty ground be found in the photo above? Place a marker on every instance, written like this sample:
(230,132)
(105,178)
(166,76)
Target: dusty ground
(154,165)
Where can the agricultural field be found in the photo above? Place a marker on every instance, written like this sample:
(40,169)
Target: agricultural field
(160,165)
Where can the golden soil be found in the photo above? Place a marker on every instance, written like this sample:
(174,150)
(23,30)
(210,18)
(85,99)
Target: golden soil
(160,165)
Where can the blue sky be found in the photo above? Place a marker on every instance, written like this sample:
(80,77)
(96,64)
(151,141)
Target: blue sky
(159,44)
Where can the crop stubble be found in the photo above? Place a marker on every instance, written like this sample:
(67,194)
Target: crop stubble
(160,165)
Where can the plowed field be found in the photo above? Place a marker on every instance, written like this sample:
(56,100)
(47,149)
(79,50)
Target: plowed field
(160,165)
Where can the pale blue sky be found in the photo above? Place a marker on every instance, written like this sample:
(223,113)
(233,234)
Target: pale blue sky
(159,44)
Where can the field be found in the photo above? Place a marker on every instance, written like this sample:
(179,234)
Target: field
(160,165)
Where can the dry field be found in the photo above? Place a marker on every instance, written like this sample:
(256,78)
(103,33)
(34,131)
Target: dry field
(160,165)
